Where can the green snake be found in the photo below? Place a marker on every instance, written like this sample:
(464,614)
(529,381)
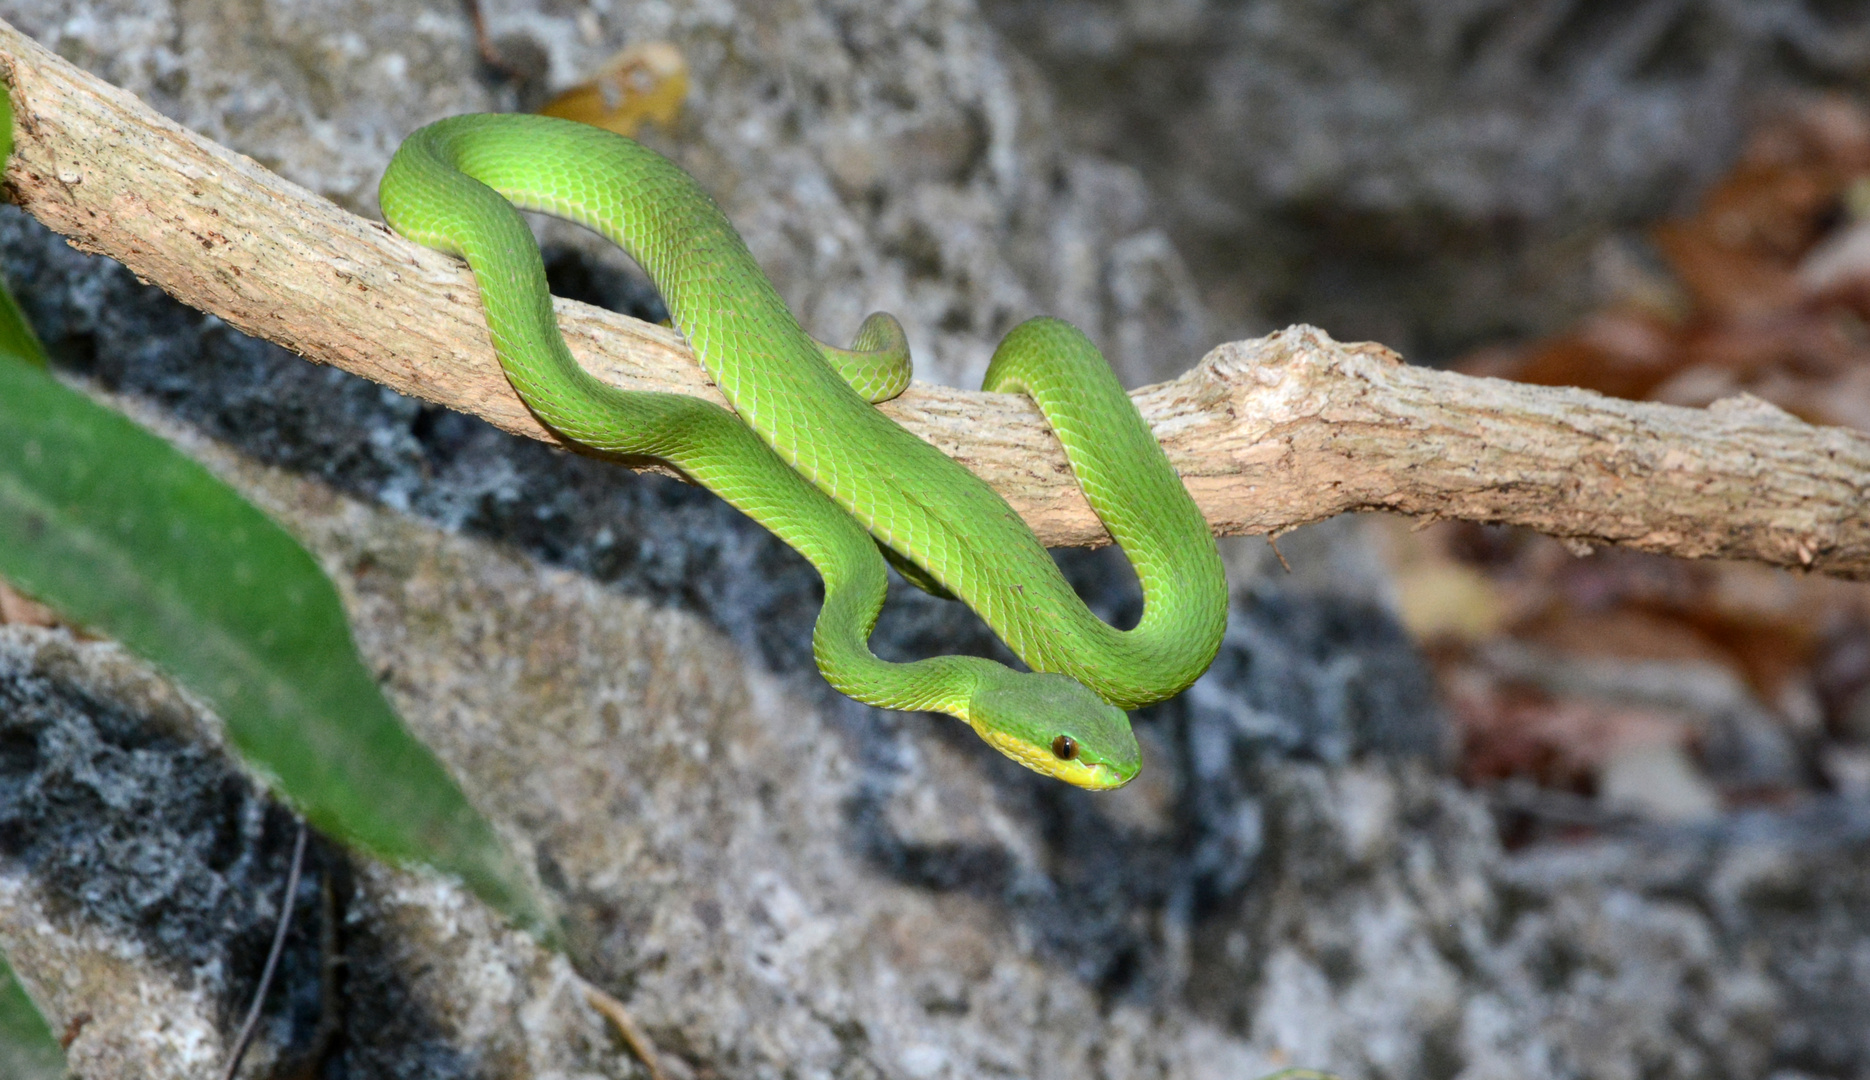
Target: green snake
(804,452)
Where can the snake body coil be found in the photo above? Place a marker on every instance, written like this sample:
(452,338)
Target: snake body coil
(807,456)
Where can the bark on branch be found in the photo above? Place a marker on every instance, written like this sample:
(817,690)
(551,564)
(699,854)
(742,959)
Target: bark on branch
(1268,434)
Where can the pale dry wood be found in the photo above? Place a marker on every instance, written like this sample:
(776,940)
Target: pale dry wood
(1269,434)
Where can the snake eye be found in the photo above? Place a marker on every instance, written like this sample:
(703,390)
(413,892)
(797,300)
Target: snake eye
(1064,748)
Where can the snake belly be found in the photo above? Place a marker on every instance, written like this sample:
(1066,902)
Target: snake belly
(809,458)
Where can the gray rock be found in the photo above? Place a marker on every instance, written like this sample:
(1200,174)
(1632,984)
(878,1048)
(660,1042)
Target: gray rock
(774,878)
(768,903)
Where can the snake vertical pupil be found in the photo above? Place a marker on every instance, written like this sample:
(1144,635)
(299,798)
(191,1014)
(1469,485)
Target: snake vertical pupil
(1064,748)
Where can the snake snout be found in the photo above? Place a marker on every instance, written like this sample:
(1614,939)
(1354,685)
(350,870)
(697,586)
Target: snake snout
(1052,724)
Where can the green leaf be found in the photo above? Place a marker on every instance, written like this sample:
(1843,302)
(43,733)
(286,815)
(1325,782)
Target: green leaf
(28,1049)
(16,337)
(121,532)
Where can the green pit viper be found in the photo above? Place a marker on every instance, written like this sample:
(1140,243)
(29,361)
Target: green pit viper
(805,453)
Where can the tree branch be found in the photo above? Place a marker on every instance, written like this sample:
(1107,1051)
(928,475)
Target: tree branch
(1268,434)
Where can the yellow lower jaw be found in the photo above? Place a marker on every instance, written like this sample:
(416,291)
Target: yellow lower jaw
(1077,772)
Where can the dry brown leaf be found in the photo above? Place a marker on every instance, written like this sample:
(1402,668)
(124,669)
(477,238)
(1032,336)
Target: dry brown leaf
(1509,731)
(645,83)
(20,610)
(1778,282)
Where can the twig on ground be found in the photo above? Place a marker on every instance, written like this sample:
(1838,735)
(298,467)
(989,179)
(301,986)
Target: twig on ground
(633,1036)
(286,904)
(483,43)
(1272,541)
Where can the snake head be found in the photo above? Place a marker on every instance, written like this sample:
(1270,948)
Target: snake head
(1052,724)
